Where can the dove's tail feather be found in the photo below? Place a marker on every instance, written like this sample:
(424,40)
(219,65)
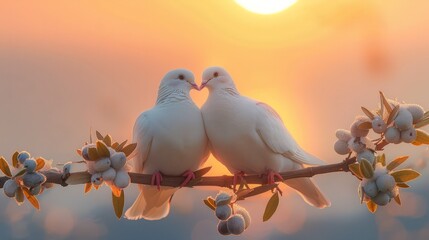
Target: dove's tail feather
(151,204)
(302,157)
(309,192)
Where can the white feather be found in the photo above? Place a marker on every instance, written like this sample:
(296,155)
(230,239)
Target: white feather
(170,139)
(249,136)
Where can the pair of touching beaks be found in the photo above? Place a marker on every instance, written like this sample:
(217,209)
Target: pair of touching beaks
(199,88)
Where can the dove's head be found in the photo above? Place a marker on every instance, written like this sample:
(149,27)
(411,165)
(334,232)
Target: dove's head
(216,77)
(179,79)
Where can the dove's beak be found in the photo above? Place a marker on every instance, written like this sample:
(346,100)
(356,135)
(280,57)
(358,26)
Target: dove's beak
(195,86)
(203,85)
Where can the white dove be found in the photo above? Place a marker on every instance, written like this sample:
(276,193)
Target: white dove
(171,140)
(249,137)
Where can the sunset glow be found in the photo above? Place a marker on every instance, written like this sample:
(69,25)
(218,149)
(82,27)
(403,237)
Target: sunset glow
(265,6)
(70,66)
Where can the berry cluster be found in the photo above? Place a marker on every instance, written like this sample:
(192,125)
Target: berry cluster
(233,219)
(28,180)
(395,122)
(106,164)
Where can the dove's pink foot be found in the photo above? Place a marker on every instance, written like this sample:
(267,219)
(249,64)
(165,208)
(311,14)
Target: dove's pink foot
(189,176)
(157,179)
(271,175)
(235,179)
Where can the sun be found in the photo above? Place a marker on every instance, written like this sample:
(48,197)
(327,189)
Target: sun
(265,6)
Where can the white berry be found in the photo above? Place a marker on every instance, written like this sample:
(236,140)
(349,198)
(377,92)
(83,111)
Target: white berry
(118,160)
(85,150)
(109,174)
(22,156)
(370,188)
(404,120)
(366,154)
(341,147)
(378,125)
(243,212)
(343,135)
(356,145)
(30,164)
(102,165)
(408,136)
(381,199)
(393,192)
(122,179)
(385,182)
(36,190)
(34,179)
(393,135)
(355,130)
(222,198)
(416,111)
(223,228)
(10,187)
(96,179)
(223,212)
(236,224)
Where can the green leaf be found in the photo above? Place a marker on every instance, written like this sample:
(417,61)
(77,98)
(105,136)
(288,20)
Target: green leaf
(121,146)
(372,207)
(115,145)
(392,115)
(118,204)
(15,162)
(209,204)
(271,207)
(32,199)
(385,103)
(397,199)
(201,172)
(355,169)
(40,163)
(20,173)
(366,168)
(361,193)
(102,149)
(381,159)
(365,125)
(402,185)
(99,135)
(88,187)
(368,113)
(422,137)
(108,140)
(395,163)
(93,154)
(129,149)
(19,196)
(422,123)
(4,166)
(405,175)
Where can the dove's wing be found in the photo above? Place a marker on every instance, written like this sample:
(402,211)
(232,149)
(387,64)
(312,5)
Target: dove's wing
(273,133)
(143,137)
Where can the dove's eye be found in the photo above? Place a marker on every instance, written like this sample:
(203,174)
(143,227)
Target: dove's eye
(181,77)
(215,74)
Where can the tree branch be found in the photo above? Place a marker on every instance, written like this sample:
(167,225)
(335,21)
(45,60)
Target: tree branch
(220,181)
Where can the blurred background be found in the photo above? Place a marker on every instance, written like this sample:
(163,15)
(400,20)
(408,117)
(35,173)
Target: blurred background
(66,66)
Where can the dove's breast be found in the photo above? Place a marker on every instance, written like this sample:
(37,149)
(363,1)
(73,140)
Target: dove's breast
(179,140)
(231,127)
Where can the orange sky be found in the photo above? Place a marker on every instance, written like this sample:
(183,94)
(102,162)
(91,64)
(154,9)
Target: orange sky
(69,65)
(119,51)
